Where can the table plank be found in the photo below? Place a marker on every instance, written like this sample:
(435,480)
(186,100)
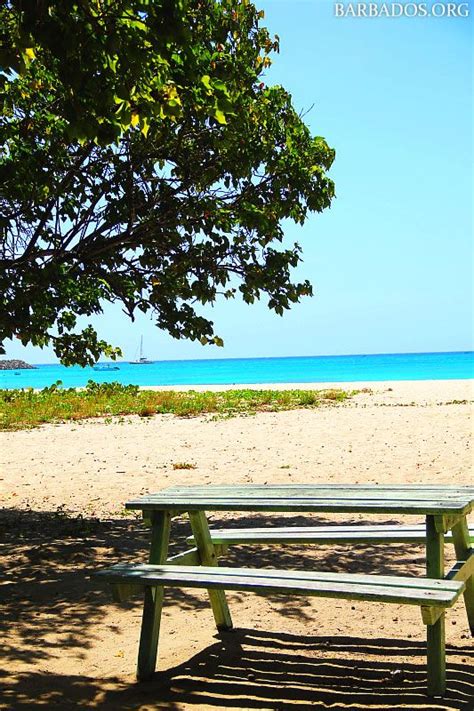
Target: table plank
(324,487)
(354,533)
(318,498)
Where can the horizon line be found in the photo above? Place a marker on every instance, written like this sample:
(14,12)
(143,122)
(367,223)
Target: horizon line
(287,357)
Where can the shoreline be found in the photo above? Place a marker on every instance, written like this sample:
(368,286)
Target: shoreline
(313,385)
(461,389)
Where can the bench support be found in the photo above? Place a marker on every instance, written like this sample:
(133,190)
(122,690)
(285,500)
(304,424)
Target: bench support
(464,552)
(190,557)
(123,591)
(444,522)
(436,645)
(430,615)
(208,556)
(147,651)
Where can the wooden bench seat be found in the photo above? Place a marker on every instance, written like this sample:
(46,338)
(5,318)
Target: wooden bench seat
(324,535)
(424,592)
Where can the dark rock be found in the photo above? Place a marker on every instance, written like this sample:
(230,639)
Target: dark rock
(15,365)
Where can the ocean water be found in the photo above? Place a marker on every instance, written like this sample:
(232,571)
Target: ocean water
(229,371)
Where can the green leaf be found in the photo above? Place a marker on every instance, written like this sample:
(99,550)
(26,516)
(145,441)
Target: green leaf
(206,80)
(220,117)
(145,126)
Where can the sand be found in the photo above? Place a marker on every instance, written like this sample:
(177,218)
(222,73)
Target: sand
(66,645)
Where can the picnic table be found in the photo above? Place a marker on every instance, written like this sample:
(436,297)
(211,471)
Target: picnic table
(444,509)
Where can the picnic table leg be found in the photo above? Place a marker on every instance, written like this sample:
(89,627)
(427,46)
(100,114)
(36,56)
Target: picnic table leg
(436,646)
(208,556)
(147,651)
(462,546)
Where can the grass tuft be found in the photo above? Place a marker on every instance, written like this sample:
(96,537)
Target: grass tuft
(20,409)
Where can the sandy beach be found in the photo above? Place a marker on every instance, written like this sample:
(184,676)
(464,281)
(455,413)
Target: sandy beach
(63,487)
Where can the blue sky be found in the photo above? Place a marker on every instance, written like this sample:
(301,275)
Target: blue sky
(392,261)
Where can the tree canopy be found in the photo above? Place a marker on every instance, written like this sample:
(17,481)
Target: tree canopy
(145,161)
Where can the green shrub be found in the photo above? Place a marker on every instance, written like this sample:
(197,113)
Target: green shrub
(27,408)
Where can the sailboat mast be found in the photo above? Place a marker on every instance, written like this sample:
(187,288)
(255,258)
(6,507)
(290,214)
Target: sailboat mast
(140,358)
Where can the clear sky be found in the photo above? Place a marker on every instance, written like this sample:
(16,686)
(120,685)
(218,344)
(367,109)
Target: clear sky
(392,261)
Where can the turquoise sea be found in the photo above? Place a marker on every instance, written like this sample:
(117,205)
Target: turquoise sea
(229,371)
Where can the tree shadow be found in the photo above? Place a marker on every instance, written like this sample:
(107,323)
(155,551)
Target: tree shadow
(249,669)
(255,669)
(49,603)
(46,585)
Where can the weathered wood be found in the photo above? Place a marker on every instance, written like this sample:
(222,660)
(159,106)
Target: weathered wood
(420,489)
(430,615)
(150,630)
(123,591)
(272,494)
(417,491)
(190,557)
(208,557)
(395,589)
(323,535)
(462,569)
(465,553)
(219,549)
(436,657)
(369,499)
(146,515)
(436,651)
(306,505)
(445,523)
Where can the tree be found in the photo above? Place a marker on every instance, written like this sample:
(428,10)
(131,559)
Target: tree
(146,162)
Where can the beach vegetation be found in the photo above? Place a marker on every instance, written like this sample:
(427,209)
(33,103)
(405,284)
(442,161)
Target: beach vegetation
(145,161)
(29,408)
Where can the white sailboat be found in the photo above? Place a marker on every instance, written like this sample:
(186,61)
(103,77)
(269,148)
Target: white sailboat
(141,360)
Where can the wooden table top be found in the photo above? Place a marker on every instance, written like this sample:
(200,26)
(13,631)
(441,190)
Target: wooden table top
(337,498)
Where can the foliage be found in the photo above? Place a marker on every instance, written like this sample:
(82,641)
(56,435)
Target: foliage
(144,161)
(27,408)
(115,60)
